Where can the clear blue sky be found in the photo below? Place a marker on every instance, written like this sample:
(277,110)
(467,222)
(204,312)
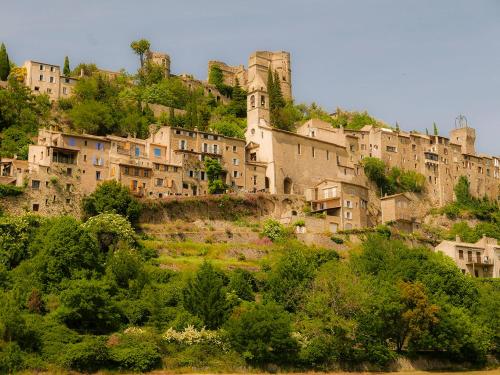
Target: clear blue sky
(411,61)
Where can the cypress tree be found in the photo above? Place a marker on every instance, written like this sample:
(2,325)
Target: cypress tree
(426,131)
(436,131)
(270,88)
(238,105)
(278,95)
(4,63)
(66,69)
(397,126)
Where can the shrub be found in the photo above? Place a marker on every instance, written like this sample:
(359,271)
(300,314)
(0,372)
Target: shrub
(11,358)
(90,354)
(135,352)
(10,190)
(274,230)
(337,240)
(109,228)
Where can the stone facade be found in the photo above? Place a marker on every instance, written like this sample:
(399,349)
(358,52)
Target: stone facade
(480,259)
(44,78)
(161,59)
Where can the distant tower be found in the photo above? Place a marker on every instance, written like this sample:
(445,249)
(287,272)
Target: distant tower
(161,59)
(258,107)
(259,64)
(463,135)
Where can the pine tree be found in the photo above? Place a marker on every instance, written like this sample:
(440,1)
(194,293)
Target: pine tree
(436,131)
(397,126)
(238,105)
(270,87)
(4,63)
(426,131)
(205,297)
(66,69)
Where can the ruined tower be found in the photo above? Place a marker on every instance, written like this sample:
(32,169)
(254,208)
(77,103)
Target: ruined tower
(259,64)
(160,58)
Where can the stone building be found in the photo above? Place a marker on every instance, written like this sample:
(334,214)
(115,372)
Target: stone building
(345,204)
(397,209)
(169,162)
(230,73)
(480,259)
(43,78)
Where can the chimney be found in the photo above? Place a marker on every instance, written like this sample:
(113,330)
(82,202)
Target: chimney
(457,238)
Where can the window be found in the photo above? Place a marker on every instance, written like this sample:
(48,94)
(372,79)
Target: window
(137,151)
(235,174)
(41,77)
(71,141)
(69,172)
(146,173)
(236,162)
(98,175)
(262,101)
(234,148)
(99,146)
(51,79)
(313,152)
(157,152)
(216,149)
(327,155)
(36,206)
(348,203)
(126,171)
(159,182)
(68,201)
(68,187)
(182,144)
(391,149)
(202,175)
(84,157)
(65,91)
(35,184)
(49,91)
(460,254)
(51,68)
(255,180)
(299,149)
(348,215)
(41,67)
(37,88)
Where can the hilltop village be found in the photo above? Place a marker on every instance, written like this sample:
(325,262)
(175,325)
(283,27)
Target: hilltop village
(322,163)
(158,221)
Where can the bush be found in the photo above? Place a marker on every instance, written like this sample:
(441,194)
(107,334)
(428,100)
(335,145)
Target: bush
(90,354)
(135,352)
(337,240)
(11,358)
(262,334)
(10,190)
(274,230)
(112,197)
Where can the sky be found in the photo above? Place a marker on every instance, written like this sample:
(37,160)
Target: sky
(414,62)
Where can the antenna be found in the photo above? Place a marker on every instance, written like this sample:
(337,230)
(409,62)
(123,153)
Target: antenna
(461,121)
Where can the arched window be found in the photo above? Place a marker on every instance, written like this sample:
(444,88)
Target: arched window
(252,101)
(262,101)
(287,185)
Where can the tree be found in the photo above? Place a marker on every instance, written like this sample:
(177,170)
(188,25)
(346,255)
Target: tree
(262,333)
(435,128)
(289,280)
(397,127)
(214,170)
(86,305)
(276,101)
(140,47)
(66,69)
(462,191)
(375,171)
(205,296)
(63,248)
(238,104)
(239,284)
(112,197)
(4,63)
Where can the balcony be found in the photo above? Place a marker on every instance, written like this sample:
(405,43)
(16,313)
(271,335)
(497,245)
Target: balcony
(325,204)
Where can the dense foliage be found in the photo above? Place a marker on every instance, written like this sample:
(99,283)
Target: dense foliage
(394,180)
(89,296)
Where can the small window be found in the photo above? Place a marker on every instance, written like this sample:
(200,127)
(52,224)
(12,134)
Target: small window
(36,206)
(69,172)
(65,91)
(41,77)
(71,141)
(51,79)
(262,101)
(146,173)
(37,88)
(234,148)
(235,174)
(159,182)
(299,149)
(41,67)
(157,152)
(68,201)
(35,184)
(98,175)
(460,254)
(99,146)
(137,151)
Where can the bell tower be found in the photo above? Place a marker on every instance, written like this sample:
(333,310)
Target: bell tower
(258,107)
(464,135)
